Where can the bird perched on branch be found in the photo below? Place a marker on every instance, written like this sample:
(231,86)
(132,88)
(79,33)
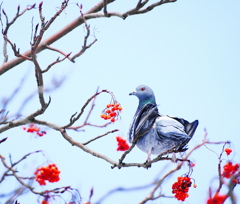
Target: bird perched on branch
(155,133)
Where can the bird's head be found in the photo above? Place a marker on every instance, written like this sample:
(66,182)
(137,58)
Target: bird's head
(144,94)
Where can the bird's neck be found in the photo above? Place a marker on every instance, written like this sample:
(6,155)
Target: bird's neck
(143,103)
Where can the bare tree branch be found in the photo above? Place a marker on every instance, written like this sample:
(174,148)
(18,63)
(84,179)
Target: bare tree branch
(8,25)
(98,137)
(73,118)
(55,62)
(42,46)
(92,13)
(85,46)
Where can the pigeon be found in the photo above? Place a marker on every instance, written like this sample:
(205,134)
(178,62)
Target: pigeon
(156,133)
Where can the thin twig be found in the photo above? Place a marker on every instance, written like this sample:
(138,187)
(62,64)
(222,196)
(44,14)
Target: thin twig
(85,46)
(10,168)
(59,51)
(77,128)
(154,5)
(73,118)
(55,62)
(86,143)
(219,170)
(15,50)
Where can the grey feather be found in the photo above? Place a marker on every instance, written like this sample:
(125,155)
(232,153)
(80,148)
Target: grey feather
(157,133)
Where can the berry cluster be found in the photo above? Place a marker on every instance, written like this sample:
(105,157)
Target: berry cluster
(181,187)
(229,169)
(49,173)
(122,144)
(217,199)
(228,151)
(32,129)
(111,112)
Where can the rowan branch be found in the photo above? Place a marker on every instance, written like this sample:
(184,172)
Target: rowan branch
(219,170)
(85,45)
(86,123)
(98,137)
(73,119)
(59,51)
(91,14)
(8,25)
(78,127)
(122,189)
(10,168)
(15,50)
(159,183)
(154,5)
(55,62)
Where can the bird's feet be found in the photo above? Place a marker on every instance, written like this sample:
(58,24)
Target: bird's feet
(174,158)
(147,164)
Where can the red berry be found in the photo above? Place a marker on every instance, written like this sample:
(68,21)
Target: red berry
(116,105)
(120,108)
(113,114)
(113,120)
(228,151)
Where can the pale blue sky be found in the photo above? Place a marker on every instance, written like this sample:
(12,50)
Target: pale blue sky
(187,52)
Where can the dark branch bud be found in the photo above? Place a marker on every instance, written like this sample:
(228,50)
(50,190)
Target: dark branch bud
(18,9)
(40,5)
(68,54)
(80,6)
(64,3)
(91,194)
(33,6)
(3,12)
(3,140)
(36,28)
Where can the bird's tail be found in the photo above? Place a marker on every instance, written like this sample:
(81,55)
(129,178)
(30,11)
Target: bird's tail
(191,128)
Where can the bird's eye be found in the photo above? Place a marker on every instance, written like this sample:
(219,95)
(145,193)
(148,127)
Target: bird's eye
(143,88)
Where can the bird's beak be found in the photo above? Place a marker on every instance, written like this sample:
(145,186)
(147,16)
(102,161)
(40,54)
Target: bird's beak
(133,93)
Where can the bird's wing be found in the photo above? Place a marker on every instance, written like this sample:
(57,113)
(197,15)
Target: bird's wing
(189,128)
(143,120)
(171,131)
